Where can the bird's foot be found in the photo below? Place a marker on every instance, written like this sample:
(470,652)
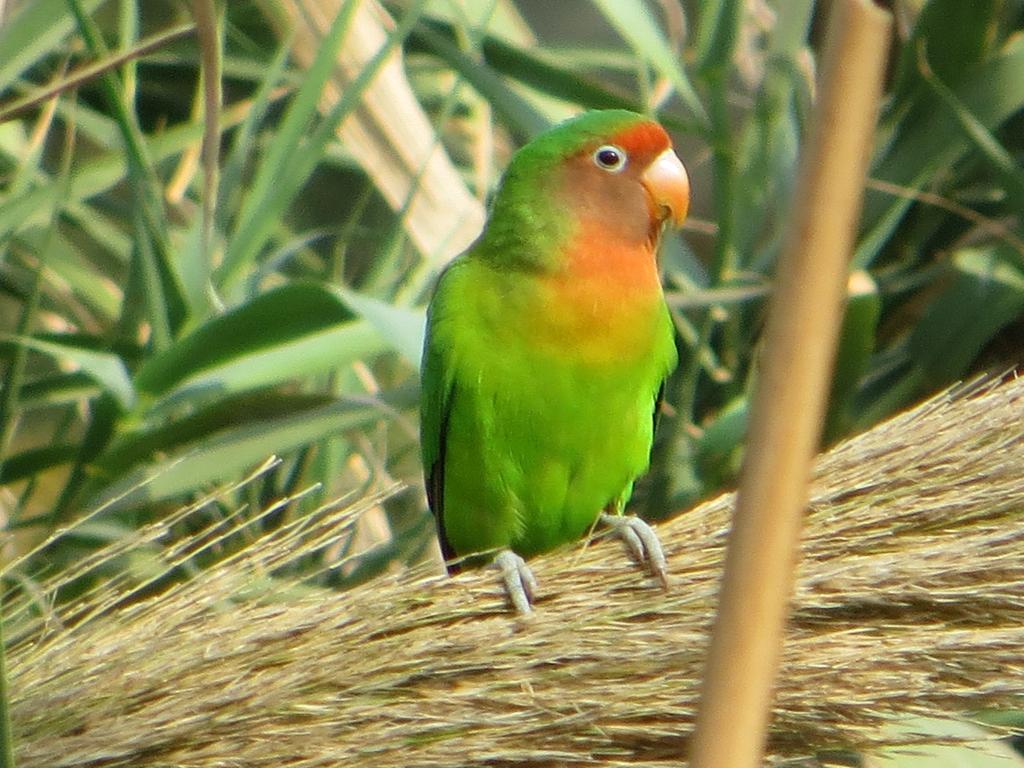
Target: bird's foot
(642,543)
(520,584)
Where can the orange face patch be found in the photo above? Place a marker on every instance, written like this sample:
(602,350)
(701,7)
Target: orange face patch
(602,274)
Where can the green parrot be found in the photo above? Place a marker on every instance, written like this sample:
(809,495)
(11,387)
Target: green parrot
(547,348)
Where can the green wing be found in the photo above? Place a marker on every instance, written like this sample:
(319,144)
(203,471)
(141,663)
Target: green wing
(437,388)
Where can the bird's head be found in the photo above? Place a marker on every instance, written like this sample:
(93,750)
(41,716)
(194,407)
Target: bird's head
(611,171)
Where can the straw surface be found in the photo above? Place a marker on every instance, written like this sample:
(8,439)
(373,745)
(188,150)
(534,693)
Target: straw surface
(909,600)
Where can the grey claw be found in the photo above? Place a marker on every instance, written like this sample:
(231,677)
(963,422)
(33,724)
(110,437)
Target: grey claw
(632,541)
(642,543)
(520,584)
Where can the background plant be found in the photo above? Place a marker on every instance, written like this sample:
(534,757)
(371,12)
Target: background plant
(159,339)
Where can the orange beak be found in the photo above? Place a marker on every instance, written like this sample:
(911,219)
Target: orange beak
(668,186)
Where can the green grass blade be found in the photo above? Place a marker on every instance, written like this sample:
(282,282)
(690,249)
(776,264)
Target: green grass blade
(853,353)
(166,302)
(22,466)
(100,175)
(978,133)
(147,441)
(280,178)
(57,389)
(402,328)
(88,285)
(32,33)
(991,92)
(985,295)
(521,117)
(13,375)
(553,79)
(264,191)
(235,450)
(107,370)
(243,145)
(154,293)
(80,76)
(954,35)
(636,25)
(211,50)
(11,385)
(290,332)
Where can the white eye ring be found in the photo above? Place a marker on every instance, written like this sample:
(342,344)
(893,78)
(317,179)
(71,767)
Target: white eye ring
(610,158)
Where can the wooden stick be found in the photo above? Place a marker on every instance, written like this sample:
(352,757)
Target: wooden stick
(789,401)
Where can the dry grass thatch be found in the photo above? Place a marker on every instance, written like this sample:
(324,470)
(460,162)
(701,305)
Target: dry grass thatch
(909,600)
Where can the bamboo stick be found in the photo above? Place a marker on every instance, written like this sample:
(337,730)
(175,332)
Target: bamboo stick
(789,402)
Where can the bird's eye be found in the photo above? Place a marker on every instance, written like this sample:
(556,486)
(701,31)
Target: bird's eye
(609,158)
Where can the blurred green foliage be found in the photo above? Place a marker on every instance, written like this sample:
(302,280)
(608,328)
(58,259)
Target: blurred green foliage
(148,356)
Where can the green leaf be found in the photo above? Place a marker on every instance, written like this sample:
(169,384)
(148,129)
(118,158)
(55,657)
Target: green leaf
(985,295)
(233,451)
(979,750)
(517,113)
(929,144)
(176,435)
(105,369)
(24,465)
(33,32)
(292,331)
(402,328)
(296,151)
(853,355)
(636,25)
(552,79)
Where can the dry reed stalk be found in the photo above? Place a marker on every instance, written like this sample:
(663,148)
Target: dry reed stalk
(389,134)
(909,600)
(788,406)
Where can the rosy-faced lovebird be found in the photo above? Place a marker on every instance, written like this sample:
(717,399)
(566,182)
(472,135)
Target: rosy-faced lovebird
(548,344)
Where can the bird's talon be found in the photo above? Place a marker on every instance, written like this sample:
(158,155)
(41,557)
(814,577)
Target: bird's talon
(642,543)
(633,543)
(519,581)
